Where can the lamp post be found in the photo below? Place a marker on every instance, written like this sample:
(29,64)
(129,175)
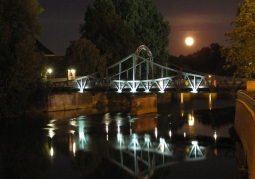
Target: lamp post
(49,71)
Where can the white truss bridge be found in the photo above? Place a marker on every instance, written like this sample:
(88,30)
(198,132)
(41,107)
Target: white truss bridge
(138,74)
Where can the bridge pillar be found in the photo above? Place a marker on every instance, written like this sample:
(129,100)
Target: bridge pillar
(144,104)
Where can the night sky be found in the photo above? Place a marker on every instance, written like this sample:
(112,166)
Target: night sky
(205,20)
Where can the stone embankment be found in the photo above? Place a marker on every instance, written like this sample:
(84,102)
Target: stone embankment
(138,103)
(245,128)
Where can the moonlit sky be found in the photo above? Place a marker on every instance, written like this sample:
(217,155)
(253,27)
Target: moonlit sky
(206,21)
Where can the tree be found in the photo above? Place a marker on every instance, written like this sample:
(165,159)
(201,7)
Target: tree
(108,31)
(21,64)
(148,24)
(241,52)
(119,27)
(85,57)
(207,60)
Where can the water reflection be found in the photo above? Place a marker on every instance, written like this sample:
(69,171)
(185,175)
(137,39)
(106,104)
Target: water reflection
(148,150)
(114,144)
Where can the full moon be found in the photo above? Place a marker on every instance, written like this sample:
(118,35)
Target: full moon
(189,41)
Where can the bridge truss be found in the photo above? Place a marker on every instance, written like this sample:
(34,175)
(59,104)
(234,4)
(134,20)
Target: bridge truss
(135,73)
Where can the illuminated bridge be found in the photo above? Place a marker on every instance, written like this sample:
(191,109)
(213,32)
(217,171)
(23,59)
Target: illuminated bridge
(138,74)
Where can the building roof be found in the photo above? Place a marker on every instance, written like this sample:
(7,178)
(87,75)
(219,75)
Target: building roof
(41,47)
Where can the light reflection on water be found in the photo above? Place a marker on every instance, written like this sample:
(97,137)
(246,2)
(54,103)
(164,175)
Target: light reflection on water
(174,133)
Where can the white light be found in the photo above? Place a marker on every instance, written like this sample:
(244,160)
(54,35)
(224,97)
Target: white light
(133,90)
(82,137)
(51,151)
(189,41)
(119,138)
(194,91)
(118,129)
(184,134)
(49,70)
(119,91)
(215,135)
(156,132)
(191,120)
(106,128)
(194,142)
(147,138)
(161,84)
(74,148)
(170,133)
(72,71)
(51,133)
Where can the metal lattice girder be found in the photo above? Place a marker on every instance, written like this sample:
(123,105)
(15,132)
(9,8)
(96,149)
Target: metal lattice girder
(147,85)
(81,83)
(133,84)
(163,83)
(119,84)
(85,81)
(194,80)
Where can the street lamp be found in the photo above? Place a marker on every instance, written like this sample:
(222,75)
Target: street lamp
(49,71)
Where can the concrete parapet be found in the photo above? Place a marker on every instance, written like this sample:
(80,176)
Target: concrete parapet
(245,128)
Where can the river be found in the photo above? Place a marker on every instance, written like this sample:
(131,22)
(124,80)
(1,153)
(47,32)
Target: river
(186,138)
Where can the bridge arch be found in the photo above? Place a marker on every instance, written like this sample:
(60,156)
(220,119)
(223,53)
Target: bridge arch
(137,52)
(143,47)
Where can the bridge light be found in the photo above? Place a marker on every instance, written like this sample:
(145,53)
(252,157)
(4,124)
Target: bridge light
(133,90)
(194,91)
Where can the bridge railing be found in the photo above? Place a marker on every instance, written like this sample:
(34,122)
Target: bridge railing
(247,98)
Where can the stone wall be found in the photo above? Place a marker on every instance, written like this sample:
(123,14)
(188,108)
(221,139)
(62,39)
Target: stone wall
(245,128)
(60,102)
(164,97)
(144,104)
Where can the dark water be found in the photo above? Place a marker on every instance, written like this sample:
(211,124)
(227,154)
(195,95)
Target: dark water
(187,138)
